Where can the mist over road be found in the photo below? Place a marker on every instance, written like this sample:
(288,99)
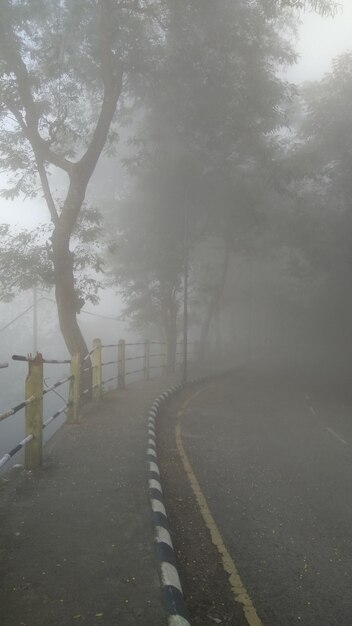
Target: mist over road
(273,458)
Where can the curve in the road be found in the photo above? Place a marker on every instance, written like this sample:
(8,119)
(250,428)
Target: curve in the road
(240,593)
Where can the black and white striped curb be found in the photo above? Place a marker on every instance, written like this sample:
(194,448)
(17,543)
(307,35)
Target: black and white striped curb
(174,602)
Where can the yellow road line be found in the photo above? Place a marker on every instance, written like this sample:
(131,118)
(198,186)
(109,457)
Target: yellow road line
(189,400)
(237,586)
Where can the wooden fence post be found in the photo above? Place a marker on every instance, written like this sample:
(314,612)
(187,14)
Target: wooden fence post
(121,364)
(146,359)
(74,392)
(96,370)
(34,413)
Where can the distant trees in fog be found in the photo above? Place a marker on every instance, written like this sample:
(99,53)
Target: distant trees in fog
(199,82)
(208,144)
(319,167)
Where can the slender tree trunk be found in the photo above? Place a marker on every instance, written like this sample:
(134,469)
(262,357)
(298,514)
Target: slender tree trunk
(169,316)
(171,338)
(67,300)
(213,304)
(68,303)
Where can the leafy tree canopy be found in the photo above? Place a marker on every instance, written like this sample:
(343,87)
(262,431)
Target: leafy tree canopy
(26,256)
(207,141)
(65,65)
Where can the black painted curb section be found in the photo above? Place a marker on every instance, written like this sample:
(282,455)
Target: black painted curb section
(172,593)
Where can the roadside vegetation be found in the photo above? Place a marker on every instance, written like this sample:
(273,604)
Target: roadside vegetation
(189,99)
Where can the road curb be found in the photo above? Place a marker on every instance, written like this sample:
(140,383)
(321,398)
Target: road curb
(174,603)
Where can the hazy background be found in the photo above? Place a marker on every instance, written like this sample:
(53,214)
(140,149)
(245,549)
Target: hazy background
(319,41)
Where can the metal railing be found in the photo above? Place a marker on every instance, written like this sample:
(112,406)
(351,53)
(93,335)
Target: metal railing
(85,382)
(33,406)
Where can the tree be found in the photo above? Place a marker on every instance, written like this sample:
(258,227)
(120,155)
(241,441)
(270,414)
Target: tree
(313,225)
(147,257)
(219,119)
(64,65)
(325,7)
(327,129)
(26,259)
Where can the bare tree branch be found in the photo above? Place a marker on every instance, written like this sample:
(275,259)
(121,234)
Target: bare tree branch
(112,76)
(10,51)
(41,169)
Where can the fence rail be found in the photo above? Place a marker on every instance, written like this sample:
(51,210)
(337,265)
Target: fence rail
(85,381)
(30,359)
(16,408)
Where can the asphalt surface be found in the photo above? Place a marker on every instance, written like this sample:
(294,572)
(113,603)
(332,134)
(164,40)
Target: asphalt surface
(273,457)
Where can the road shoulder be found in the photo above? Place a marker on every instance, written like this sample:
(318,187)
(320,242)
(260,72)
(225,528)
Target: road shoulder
(206,585)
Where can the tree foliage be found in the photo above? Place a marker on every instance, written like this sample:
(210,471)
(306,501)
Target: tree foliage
(26,260)
(64,65)
(204,77)
(315,225)
(207,143)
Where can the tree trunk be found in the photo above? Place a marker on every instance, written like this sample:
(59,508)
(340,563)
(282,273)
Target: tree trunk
(171,338)
(169,316)
(68,302)
(213,304)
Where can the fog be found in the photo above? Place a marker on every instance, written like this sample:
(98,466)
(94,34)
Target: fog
(268,259)
(177,175)
(320,39)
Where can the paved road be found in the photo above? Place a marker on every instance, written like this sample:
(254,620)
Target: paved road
(274,461)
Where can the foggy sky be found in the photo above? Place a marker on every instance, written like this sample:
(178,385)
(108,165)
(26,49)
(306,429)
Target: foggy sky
(320,40)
